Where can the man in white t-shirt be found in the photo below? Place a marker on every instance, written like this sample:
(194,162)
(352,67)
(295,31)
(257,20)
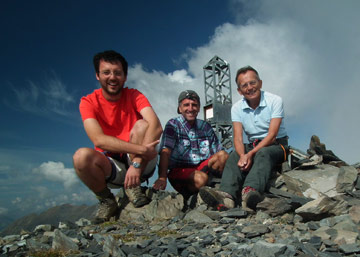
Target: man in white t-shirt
(247,171)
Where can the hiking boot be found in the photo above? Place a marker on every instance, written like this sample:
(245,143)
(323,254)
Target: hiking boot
(136,196)
(107,209)
(250,197)
(216,199)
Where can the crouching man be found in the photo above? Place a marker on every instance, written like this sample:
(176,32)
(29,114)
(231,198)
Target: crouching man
(124,129)
(247,171)
(190,151)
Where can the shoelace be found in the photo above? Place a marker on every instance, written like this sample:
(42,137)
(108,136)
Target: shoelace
(221,207)
(247,190)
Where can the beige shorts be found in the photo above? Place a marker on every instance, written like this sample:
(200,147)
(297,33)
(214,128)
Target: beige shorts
(118,172)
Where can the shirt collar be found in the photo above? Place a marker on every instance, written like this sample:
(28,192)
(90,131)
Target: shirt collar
(186,123)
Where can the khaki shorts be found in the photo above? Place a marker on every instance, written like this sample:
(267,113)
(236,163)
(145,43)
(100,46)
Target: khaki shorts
(118,171)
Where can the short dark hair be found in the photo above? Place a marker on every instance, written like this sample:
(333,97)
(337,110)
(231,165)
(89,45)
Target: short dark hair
(244,70)
(112,57)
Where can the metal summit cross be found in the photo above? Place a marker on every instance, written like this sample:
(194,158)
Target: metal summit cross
(218,100)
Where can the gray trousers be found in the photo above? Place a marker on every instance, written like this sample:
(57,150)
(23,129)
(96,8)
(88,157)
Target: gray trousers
(233,179)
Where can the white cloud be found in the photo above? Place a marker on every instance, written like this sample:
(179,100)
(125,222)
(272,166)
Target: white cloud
(180,76)
(41,191)
(307,52)
(17,200)
(161,89)
(47,98)
(56,171)
(3,211)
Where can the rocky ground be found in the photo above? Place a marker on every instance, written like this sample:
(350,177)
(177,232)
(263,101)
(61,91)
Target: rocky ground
(310,210)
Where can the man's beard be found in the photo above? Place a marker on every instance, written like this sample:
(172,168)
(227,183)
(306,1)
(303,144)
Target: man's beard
(111,92)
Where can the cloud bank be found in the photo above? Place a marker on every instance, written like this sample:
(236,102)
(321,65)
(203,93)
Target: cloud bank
(307,52)
(56,171)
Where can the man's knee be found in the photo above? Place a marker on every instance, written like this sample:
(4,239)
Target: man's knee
(83,158)
(274,153)
(200,179)
(139,128)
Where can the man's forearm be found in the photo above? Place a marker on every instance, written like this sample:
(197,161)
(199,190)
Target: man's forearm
(113,144)
(164,163)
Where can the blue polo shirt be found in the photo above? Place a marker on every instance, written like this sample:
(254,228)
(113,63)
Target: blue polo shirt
(256,122)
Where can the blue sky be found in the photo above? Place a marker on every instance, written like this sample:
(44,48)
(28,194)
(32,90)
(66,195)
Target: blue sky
(308,52)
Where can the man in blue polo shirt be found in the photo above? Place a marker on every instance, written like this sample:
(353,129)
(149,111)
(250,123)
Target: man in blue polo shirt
(247,171)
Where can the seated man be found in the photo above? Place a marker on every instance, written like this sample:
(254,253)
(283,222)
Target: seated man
(247,171)
(190,150)
(124,129)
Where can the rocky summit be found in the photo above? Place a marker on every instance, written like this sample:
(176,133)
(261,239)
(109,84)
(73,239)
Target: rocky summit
(310,209)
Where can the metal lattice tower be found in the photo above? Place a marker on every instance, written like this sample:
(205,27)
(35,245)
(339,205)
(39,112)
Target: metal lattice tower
(218,100)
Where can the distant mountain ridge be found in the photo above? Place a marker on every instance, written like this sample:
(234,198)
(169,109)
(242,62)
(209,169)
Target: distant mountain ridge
(53,216)
(5,220)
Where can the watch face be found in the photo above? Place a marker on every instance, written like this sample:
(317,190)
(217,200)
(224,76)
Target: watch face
(135,164)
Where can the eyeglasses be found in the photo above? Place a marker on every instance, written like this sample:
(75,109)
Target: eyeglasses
(116,73)
(251,83)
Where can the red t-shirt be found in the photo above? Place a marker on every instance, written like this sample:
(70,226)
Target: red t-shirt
(115,118)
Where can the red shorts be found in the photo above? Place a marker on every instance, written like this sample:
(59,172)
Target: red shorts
(179,177)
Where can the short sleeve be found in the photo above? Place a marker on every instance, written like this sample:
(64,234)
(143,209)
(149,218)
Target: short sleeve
(86,109)
(168,139)
(277,108)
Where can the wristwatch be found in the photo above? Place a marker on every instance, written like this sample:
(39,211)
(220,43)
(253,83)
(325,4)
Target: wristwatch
(135,164)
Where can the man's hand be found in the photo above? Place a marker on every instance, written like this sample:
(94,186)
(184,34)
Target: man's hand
(218,160)
(132,177)
(150,152)
(160,184)
(245,162)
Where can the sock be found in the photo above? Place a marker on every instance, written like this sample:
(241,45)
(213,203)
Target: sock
(105,193)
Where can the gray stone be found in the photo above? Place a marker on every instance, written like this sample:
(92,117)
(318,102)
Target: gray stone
(112,246)
(354,213)
(274,206)
(316,209)
(313,183)
(82,222)
(62,242)
(327,222)
(347,224)
(316,147)
(234,213)
(165,208)
(43,228)
(322,232)
(309,249)
(11,238)
(346,179)
(294,200)
(130,251)
(67,225)
(214,215)
(198,217)
(345,237)
(33,244)
(256,228)
(350,248)
(265,249)
(313,225)
(316,242)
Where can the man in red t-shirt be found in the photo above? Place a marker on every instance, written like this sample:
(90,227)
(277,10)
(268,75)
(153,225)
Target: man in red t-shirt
(124,129)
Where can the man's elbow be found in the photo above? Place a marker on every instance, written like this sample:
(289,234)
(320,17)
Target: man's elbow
(98,142)
(158,131)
